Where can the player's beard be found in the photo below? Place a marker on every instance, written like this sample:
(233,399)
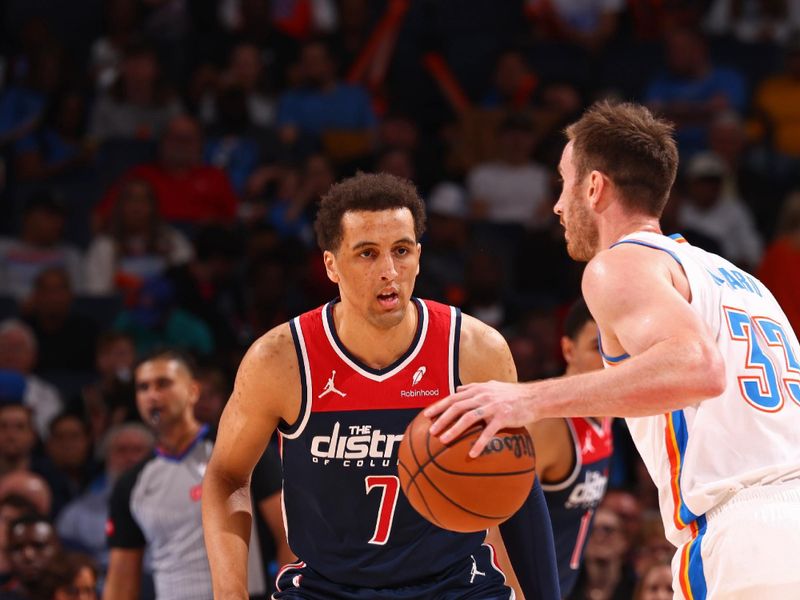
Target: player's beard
(584,236)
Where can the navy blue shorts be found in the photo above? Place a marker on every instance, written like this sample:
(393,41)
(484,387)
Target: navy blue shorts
(474,578)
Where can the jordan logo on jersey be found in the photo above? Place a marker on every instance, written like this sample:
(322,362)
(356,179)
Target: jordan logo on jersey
(588,444)
(330,387)
(474,572)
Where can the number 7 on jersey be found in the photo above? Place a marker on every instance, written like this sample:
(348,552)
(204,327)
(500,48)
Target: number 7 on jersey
(390,487)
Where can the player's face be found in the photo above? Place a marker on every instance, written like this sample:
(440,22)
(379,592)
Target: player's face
(376,264)
(572,208)
(165,392)
(583,354)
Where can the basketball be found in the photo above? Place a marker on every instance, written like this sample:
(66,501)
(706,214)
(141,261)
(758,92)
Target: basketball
(456,492)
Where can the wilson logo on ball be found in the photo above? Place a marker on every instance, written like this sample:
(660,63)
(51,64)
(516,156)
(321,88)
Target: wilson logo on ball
(519,445)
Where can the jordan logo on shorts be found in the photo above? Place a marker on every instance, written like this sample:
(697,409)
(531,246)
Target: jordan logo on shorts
(474,571)
(330,387)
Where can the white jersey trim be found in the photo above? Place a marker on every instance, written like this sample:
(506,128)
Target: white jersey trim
(423,314)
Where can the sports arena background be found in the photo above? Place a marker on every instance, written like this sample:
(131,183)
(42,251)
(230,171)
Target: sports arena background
(162,161)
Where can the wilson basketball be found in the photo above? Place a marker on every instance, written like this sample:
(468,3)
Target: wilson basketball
(460,493)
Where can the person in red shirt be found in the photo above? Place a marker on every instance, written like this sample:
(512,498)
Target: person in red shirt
(187,191)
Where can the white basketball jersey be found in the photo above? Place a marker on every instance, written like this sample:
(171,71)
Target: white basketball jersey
(701,455)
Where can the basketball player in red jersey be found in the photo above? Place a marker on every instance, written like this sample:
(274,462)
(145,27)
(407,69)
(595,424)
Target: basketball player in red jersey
(340,384)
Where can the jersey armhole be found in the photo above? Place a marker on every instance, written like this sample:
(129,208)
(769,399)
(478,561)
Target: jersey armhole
(455,340)
(565,482)
(296,428)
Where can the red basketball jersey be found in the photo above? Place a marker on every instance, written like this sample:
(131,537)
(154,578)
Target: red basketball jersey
(346,515)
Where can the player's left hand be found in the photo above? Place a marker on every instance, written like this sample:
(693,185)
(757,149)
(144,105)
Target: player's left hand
(498,404)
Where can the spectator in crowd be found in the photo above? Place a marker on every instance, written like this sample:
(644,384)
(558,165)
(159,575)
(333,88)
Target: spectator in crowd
(58,147)
(652,544)
(18,353)
(323,104)
(246,72)
(514,82)
(745,178)
(207,286)
(72,577)
(68,448)
(40,245)
(397,162)
(82,523)
(776,103)
(214,393)
(139,104)
(752,22)
(156,320)
(780,268)
(445,243)
(32,544)
(605,575)
(64,340)
(31,487)
(724,219)
(513,190)
(136,243)
(109,400)
(186,191)
(105,61)
(587,24)
(693,89)
(655,583)
(627,506)
(233,143)
(12,507)
(22,104)
(17,456)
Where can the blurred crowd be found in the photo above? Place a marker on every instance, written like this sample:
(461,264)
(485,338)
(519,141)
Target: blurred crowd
(161,162)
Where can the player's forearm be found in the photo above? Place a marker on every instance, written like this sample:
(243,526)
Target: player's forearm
(668,376)
(227,515)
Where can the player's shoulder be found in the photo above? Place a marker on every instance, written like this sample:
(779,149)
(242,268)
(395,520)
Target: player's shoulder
(271,359)
(273,348)
(478,337)
(615,269)
(483,353)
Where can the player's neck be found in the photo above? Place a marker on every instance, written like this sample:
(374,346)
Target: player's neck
(376,347)
(615,230)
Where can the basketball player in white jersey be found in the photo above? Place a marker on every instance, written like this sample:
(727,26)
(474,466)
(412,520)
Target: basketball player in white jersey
(703,364)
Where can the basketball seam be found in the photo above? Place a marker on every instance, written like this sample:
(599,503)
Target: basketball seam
(421,495)
(421,470)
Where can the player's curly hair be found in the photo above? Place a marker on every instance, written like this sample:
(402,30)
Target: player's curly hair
(365,192)
(631,146)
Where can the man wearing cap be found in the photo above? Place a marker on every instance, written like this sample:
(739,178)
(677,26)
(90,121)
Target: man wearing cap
(725,219)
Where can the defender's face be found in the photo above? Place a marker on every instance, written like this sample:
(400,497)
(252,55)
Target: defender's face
(376,264)
(583,353)
(579,223)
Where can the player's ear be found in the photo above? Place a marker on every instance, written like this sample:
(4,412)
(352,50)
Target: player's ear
(194,391)
(329,258)
(597,184)
(419,254)
(567,349)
